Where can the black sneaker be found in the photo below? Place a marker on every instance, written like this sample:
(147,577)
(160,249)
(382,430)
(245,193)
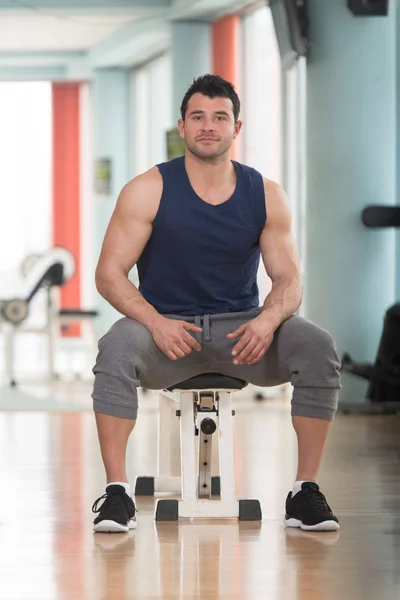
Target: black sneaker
(309,510)
(117,513)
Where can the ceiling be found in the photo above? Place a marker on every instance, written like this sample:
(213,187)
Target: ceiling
(27,33)
(43,25)
(75,36)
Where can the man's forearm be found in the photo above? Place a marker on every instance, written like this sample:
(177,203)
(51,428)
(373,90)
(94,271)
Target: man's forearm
(126,298)
(283,300)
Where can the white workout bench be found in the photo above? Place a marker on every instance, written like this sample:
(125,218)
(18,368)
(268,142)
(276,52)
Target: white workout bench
(204,406)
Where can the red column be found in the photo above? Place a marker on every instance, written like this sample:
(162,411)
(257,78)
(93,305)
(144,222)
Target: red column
(225,53)
(66,184)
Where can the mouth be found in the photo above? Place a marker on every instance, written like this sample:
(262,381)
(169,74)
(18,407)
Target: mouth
(206,139)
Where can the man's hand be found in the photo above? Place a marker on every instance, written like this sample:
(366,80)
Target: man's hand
(255,338)
(173,337)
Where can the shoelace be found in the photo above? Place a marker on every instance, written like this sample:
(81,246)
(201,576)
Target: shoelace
(317,499)
(110,500)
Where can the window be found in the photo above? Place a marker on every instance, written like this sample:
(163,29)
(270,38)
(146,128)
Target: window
(25,156)
(26,199)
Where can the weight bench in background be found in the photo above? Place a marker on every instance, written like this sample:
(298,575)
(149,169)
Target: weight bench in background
(204,406)
(49,271)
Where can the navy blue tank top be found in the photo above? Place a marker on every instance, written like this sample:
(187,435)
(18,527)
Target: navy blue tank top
(200,258)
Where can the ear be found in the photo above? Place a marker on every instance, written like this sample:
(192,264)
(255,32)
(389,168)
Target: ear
(181,127)
(238,127)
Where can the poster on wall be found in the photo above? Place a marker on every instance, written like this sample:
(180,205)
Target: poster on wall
(175,144)
(102,176)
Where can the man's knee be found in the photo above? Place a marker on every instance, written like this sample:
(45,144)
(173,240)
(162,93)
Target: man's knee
(311,354)
(127,332)
(119,366)
(126,341)
(110,408)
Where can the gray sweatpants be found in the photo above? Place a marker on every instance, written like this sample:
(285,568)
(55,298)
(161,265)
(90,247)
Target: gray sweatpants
(301,353)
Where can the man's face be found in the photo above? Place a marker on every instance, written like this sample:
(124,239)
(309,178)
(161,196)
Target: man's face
(209,127)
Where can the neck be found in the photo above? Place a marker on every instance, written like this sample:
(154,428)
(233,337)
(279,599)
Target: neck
(209,169)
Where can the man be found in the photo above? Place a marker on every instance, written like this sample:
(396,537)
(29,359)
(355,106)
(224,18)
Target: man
(196,228)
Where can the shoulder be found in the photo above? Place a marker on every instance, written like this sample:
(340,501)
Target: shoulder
(141,196)
(171,167)
(272,189)
(253,176)
(148,182)
(277,204)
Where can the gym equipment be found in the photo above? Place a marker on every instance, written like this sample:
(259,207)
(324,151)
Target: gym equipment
(48,271)
(204,407)
(369,8)
(381,216)
(384,375)
(291,22)
(52,269)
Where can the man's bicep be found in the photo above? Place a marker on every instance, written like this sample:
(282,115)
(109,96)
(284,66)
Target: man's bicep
(277,244)
(124,241)
(130,226)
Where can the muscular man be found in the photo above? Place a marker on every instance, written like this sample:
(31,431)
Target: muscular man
(196,228)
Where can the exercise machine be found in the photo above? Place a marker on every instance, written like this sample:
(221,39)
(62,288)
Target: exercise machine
(49,271)
(383,375)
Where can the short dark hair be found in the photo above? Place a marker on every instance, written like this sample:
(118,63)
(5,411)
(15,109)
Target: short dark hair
(212,86)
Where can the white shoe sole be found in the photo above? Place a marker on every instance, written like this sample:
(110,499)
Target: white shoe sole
(324,526)
(114,527)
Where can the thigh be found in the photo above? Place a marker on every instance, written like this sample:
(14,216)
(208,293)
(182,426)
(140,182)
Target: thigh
(301,352)
(269,371)
(129,352)
(159,371)
(164,372)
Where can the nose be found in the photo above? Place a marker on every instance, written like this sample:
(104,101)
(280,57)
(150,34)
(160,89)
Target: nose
(208,125)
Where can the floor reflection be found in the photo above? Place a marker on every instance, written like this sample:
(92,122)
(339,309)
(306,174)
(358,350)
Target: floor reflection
(51,473)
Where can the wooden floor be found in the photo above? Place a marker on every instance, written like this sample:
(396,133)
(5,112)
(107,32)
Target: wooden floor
(50,473)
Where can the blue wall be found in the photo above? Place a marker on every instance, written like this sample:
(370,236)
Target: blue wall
(351,162)
(111,109)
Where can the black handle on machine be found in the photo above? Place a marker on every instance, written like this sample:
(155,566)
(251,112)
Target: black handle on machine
(381,216)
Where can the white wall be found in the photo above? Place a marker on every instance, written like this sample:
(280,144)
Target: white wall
(261,95)
(261,136)
(152,101)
